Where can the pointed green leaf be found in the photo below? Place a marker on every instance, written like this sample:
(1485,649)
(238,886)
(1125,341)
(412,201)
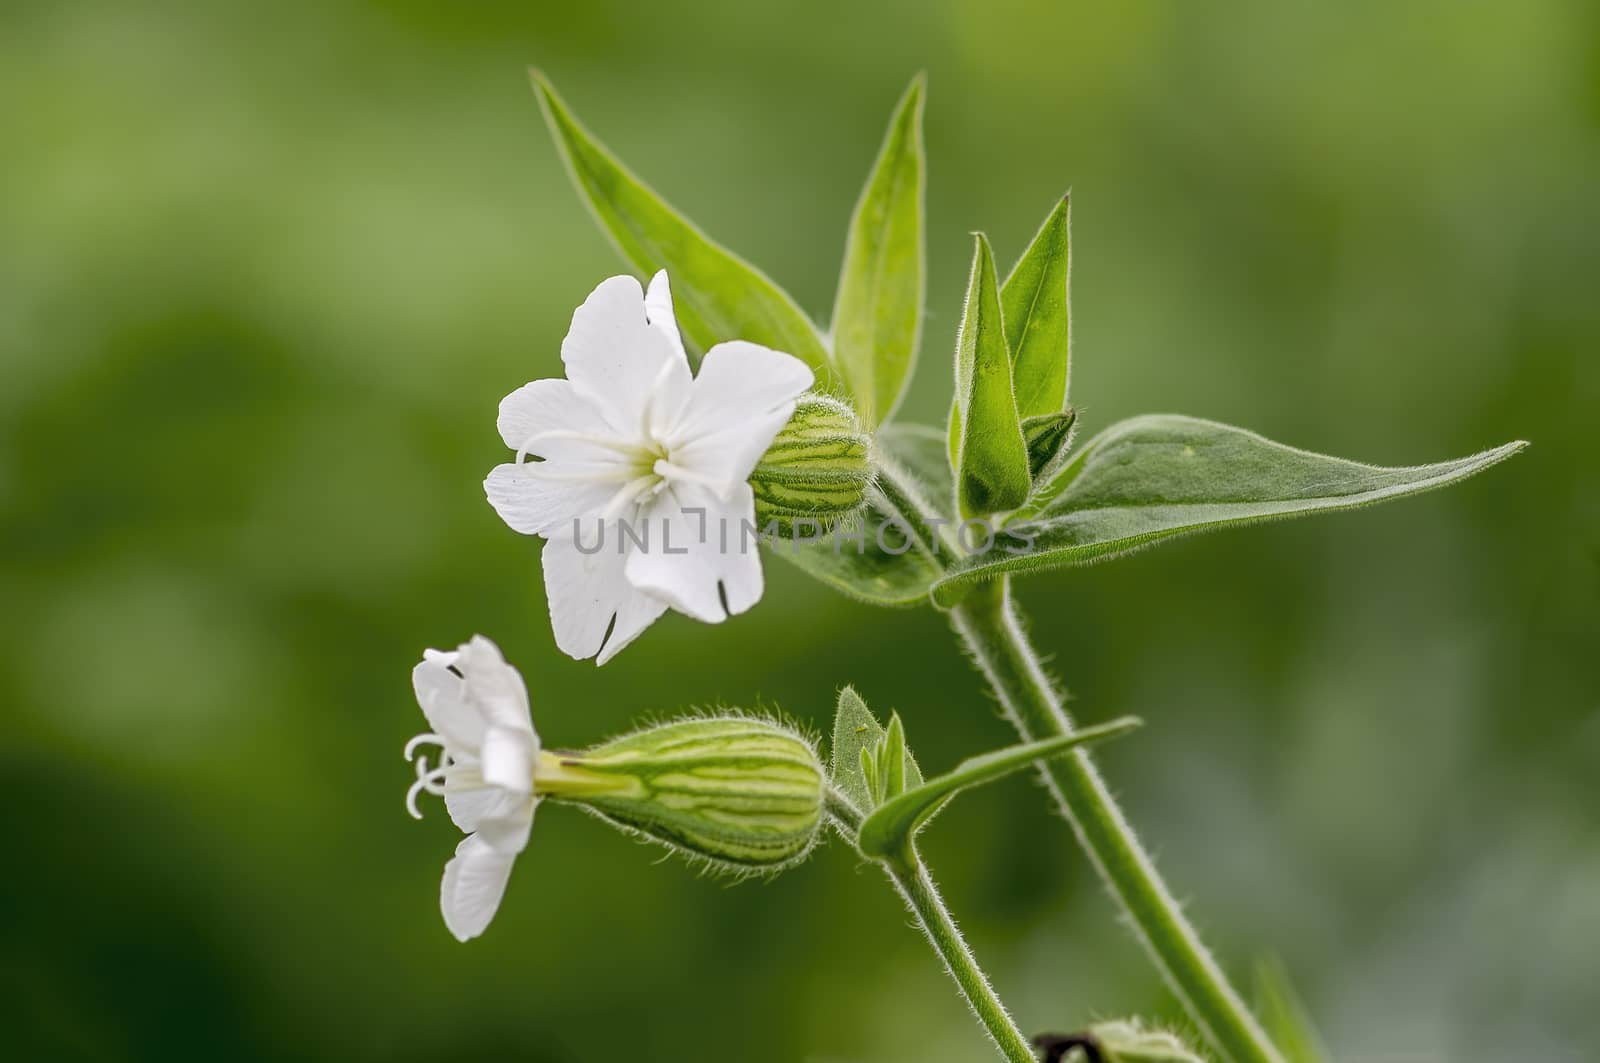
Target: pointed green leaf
(991,457)
(856,736)
(855,731)
(1035,301)
(888,829)
(1049,438)
(889,555)
(1284,1016)
(877,314)
(717,295)
(1159,476)
(892,759)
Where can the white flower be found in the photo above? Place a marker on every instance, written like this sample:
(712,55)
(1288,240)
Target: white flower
(642,492)
(477,707)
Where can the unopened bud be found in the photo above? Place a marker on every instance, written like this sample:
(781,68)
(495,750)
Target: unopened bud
(742,794)
(815,471)
(1120,1041)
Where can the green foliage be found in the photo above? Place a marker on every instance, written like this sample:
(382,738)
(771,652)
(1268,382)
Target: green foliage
(1159,476)
(894,824)
(869,761)
(989,454)
(1049,438)
(1137,483)
(855,731)
(1036,301)
(877,314)
(718,296)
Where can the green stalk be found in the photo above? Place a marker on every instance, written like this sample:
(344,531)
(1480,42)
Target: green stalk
(989,625)
(910,877)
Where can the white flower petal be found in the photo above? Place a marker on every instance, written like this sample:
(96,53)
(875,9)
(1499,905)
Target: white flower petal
(741,399)
(702,550)
(658,310)
(587,588)
(507,759)
(474,882)
(542,497)
(441,693)
(509,833)
(496,689)
(552,419)
(614,357)
(471,807)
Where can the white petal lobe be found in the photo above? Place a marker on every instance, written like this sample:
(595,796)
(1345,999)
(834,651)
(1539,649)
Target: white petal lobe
(616,359)
(473,885)
(540,497)
(703,550)
(587,586)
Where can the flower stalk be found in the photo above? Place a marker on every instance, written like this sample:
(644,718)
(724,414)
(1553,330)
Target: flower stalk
(916,887)
(990,627)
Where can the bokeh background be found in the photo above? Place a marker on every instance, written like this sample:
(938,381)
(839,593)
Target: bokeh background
(265,271)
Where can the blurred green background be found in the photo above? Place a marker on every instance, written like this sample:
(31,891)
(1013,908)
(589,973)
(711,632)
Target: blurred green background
(265,271)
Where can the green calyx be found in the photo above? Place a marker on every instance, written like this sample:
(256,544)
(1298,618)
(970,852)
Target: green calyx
(736,793)
(816,471)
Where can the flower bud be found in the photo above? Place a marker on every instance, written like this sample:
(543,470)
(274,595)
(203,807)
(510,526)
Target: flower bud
(815,471)
(1120,1041)
(742,794)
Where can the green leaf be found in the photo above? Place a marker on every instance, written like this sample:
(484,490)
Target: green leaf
(1159,476)
(1036,303)
(1284,1017)
(857,735)
(877,314)
(892,826)
(854,732)
(1049,438)
(991,457)
(717,295)
(899,566)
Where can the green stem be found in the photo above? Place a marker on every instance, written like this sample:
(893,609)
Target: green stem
(910,877)
(989,625)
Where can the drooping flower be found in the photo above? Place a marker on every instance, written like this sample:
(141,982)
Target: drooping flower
(477,710)
(734,793)
(641,486)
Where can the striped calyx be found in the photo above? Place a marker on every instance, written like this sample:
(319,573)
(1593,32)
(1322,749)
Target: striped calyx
(815,472)
(742,794)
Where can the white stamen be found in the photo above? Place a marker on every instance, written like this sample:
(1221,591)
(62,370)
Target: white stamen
(424,739)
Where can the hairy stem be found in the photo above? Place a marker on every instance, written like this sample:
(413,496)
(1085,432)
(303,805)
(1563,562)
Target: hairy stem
(910,877)
(989,625)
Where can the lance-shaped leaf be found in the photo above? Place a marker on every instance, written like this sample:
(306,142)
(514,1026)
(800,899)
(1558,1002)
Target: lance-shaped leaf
(1036,303)
(855,731)
(857,737)
(892,826)
(991,457)
(877,314)
(717,295)
(1159,476)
